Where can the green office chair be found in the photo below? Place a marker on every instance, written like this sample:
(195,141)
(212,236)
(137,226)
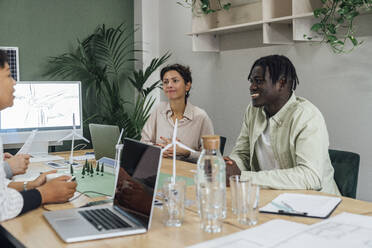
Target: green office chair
(346,165)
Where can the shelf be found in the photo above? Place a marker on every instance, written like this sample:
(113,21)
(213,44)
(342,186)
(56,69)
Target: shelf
(281,22)
(300,7)
(272,9)
(278,33)
(231,29)
(304,15)
(246,15)
(284,19)
(302,26)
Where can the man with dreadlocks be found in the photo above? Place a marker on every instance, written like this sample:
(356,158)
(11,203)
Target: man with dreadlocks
(283,143)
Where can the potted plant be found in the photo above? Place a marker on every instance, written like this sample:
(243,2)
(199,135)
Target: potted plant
(205,6)
(336,23)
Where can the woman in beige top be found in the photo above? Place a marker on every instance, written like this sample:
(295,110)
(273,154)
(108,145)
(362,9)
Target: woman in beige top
(193,122)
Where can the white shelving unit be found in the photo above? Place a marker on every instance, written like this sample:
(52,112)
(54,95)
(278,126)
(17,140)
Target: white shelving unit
(281,22)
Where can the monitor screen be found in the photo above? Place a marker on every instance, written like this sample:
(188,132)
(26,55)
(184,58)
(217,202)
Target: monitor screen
(45,106)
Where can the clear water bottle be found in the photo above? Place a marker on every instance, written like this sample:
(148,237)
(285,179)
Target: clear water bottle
(211,185)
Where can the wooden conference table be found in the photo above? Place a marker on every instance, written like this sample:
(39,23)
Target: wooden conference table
(33,230)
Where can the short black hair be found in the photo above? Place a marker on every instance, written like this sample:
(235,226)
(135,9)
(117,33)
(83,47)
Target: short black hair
(278,66)
(184,71)
(3,58)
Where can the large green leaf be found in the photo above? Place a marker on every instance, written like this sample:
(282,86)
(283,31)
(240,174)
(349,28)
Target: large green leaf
(140,77)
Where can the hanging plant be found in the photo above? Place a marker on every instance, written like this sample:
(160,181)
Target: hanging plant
(336,23)
(204,6)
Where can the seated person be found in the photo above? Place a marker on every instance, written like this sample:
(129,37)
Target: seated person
(32,194)
(193,122)
(283,143)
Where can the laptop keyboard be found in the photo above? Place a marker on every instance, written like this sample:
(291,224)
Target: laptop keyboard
(103,219)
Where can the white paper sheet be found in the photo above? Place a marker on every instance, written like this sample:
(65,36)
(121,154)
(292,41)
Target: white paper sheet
(260,236)
(313,205)
(342,231)
(31,174)
(27,145)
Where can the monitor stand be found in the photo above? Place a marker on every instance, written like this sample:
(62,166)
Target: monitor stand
(39,152)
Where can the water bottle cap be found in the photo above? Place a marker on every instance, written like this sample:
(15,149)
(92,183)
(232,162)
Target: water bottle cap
(211,142)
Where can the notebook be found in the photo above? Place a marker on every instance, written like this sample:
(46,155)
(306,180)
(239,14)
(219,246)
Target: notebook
(317,206)
(126,216)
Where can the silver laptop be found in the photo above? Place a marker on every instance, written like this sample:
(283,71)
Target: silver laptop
(133,204)
(104,139)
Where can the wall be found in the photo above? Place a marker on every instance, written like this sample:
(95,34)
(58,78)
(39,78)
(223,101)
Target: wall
(146,20)
(44,28)
(340,85)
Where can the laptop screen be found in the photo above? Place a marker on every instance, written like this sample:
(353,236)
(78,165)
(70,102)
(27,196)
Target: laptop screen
(135,186)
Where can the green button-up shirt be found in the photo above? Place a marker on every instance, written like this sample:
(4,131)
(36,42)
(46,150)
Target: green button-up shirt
(299,140)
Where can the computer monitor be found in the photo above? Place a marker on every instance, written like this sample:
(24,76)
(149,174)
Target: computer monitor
(45,106)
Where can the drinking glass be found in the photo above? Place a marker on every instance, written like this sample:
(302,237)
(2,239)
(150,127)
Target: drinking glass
(211,196)
(233,189)
(247,202)
(173,202)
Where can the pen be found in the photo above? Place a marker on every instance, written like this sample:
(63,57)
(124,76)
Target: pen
(292,212)
(292,209)
(72,179)
(285,208)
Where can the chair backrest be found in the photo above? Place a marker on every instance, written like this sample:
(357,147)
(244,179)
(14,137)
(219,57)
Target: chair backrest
(222,144)
(346,165)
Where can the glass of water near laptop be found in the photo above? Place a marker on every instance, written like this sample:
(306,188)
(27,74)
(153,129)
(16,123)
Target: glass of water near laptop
(173,193)
(244,200)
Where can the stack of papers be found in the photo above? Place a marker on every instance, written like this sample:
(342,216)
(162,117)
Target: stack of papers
(266,234)
(302,205)
(342,231)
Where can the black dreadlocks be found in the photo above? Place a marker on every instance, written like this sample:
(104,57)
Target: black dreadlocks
(278,65)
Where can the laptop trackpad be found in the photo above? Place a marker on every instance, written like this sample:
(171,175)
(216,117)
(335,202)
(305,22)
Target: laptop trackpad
(72,227)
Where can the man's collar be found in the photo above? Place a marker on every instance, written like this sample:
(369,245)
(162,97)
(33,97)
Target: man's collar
(279,116)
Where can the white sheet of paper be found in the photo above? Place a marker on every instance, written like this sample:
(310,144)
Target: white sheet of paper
(84,157)
(27,145)
(345,230)
(260,236)
(31,174)
(313,205)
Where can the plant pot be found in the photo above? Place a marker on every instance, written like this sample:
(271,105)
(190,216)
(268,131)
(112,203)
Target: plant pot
(204,22)
(236,3)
